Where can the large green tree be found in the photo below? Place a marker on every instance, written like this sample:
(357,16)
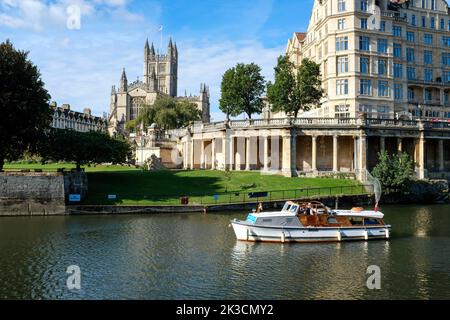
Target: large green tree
(24,103)
(83,148)
(395,172)
(242,88)
(167,113)
(295,89)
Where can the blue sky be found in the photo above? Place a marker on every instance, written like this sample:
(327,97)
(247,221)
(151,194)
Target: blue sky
(80,66)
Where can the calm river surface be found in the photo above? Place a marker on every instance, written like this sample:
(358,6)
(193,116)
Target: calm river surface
(197,257)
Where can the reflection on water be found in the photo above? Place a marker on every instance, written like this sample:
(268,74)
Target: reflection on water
(197,257)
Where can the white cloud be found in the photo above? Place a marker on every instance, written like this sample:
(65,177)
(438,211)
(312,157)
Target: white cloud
(36,14)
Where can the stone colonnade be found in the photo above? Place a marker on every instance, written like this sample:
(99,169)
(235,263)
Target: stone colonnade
(293,151)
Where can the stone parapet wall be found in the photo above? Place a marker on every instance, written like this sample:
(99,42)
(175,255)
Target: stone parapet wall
(31,193)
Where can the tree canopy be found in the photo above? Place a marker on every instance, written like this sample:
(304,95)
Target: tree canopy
(167,113)
(83,148)
(242,88)
(395,172)
(295,89)
(24,103)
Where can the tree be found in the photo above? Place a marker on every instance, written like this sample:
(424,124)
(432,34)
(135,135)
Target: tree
(24,103)
(167,113)
(242,88)
(83,148)
(394,172)
(295,89)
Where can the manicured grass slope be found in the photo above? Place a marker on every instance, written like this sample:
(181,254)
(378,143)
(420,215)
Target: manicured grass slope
(165,187)
(136,187)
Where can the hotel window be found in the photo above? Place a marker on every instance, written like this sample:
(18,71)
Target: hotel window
(364,5)
(383,89)
(442,24)
(397,31)
(446,97)
(398,70)
(341,43)
(342,64)
(432,23)
(428,38)
(446,41)
(397,50)
(448,27)
(427,57)
(364,43)
(364,65)
(428,95)
(433,4)
(363,23)
(410,36)
(428,75)
(341,24)
(382,26)
(366,109)
(382,66)
(342,87)
(446,58)
(424,22)
(411,73)
(365,87)
(383,112)
(446,77)
(410,54)
(424,4)
(413,20)
(342,111)
(398,91)
(410,94)
(382,45)
(341,5)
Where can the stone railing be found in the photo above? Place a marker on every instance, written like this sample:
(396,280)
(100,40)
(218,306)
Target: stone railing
(322,122)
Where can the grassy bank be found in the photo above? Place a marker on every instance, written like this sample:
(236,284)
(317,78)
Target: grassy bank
(136,187)
(52,167)
(202,187)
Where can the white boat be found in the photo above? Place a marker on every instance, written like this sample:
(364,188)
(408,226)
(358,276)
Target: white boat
(311,222)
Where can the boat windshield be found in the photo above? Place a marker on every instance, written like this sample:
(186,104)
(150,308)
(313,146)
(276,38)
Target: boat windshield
(293,208)
(287,206)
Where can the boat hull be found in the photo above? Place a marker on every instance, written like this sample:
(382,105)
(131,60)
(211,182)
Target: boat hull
(248,232)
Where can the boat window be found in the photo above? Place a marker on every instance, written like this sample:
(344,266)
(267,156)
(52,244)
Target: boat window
(267,220)
(356,221)
(288,220)
(369,221)
(293,209)
(286,207)
(332,220)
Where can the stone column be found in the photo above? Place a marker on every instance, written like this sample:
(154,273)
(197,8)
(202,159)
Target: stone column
(191,155)
(247,153)
(335,153)
(287,156)
(225,151)
(362,151)
(382,144)
(399,145)
(441,155)
(213,154)
(202,155)
(314,154)
(422,160)
(185,155)
(231,152)
(266,153)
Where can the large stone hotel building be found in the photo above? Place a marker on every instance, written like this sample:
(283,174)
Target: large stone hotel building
(386,74)
(384,58)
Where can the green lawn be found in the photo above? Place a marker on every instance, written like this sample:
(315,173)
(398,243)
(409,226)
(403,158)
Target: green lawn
(206,187)
(67,166)
(136,187)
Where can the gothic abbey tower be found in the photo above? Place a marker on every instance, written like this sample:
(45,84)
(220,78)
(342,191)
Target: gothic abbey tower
(160,79)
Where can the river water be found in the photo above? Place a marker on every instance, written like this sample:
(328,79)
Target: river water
(196,256)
